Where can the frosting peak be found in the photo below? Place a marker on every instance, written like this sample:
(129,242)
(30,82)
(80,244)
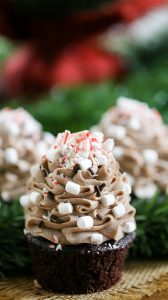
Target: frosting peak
(141,140)
(78,194)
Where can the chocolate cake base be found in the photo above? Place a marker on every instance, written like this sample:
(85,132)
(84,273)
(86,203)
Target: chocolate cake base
(78,269)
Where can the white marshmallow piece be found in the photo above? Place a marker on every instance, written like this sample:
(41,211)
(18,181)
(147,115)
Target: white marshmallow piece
(23,165)
(147,191)
(65,208)
(12,129)
(30,127)
(129,227)
(108,199)
(5,196)
(134,123)
(85,164)
(150,156)
(108,145)
(49,138)
(116,131)
(96,238)
(83,153)
(35,197)
(72,188)
(51,154)
(24,200)
(127,188)
(118,152)
(11,156)
(85,222)
(101,159)
(118,211)
(41,148)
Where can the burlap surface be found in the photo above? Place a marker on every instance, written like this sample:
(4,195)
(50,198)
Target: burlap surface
(141,280)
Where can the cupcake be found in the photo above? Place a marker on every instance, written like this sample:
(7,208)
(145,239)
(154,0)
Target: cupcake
(79,223)
(141,144)
(22,143)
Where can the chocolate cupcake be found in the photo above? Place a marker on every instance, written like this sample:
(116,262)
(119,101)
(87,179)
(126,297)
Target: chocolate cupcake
(79,221)
(22,143)
(141,144)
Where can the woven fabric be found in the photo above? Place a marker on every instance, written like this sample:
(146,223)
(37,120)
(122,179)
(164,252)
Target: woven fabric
(141,280)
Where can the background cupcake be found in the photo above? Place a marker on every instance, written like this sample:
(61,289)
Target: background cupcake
(79,221)
(22,143)
(141,140)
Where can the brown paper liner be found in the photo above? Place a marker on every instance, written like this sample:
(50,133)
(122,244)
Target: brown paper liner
(141,281)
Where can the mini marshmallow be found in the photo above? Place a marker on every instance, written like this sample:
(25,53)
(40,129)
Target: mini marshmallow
(118,152)
(134,123)
(49,138)
(83,153)
(85,222)
(11,156)
(23,165)
(147,191)
(34,170)
(24,200)
(108,199)
(129,227)
(35,197)
(101,159)
(5,196)
(12,129)
(11,177)
(85,164)
(41,148)
(118,211)
(127,188)
(116,131)
(108,145)
(65,208)
(150,156)
(30,127)
(96,238)
(51,154)
(72,188)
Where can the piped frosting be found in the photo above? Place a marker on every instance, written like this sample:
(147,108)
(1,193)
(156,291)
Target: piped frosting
(82,197)
(142,151)
(22,143)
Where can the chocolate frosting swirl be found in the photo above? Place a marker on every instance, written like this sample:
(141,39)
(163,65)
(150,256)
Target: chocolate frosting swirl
(43,217)
(141,140)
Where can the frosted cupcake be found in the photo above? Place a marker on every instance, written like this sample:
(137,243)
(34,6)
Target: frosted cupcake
(141,140)
(22,143)
(79,221)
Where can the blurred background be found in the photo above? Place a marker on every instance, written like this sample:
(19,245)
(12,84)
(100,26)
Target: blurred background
(66,62)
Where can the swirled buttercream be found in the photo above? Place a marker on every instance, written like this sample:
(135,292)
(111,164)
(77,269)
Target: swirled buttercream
(22,143)
(78,194)
(141,140)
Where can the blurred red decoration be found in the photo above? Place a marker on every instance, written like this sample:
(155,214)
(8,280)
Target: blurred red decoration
(65,51)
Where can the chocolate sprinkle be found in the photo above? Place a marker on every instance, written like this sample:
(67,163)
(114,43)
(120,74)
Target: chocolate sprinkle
(91,171)
(76,168)
(41,223)
(99,217)
(97,190)
(101,187)
(55,219)
(50,195)
(44,172)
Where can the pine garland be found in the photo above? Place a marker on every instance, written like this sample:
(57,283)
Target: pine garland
(14,255)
